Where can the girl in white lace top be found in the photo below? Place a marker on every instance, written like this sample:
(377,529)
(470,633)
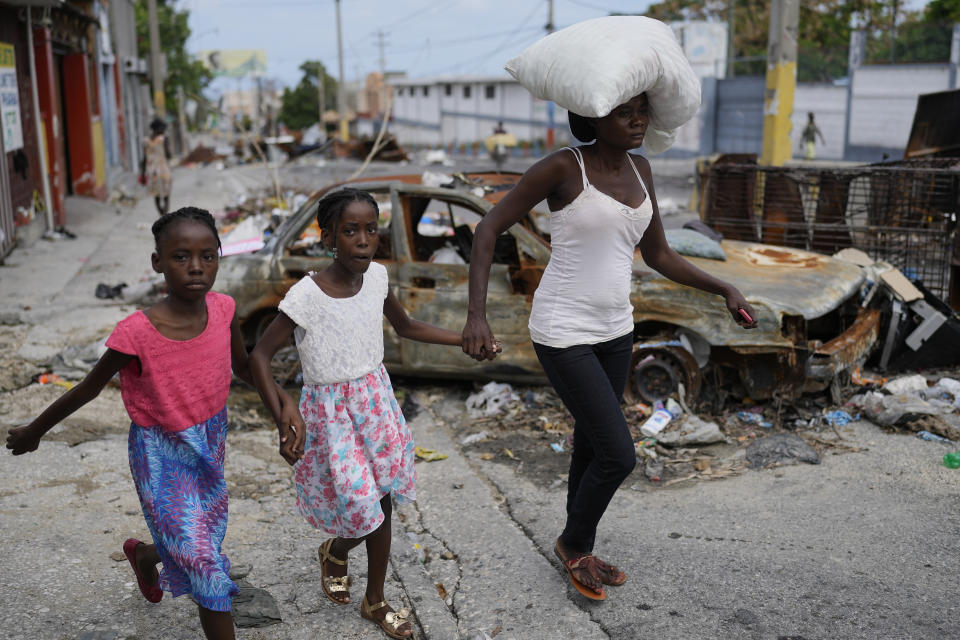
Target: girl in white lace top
(356,451)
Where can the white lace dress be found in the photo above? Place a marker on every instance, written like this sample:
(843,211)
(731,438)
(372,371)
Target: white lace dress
(358,447)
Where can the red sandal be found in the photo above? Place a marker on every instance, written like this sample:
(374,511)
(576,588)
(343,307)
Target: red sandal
(583,562)
(153,593)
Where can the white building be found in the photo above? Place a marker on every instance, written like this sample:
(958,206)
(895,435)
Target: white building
(462,110)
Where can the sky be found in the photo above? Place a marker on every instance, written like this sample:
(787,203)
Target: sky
(422,37)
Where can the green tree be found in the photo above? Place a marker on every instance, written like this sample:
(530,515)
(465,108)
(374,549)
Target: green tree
(300,106)
(823,37)
(182,70)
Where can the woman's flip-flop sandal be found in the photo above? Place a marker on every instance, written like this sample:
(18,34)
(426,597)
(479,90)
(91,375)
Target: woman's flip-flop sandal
(152,592)
(391,622)
(579,563)
(610,574)
(333,584)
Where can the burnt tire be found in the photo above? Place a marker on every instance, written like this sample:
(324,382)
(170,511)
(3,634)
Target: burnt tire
(656,373)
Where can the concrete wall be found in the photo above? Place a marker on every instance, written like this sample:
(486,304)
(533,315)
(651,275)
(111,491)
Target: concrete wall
(739,118)
(884,101)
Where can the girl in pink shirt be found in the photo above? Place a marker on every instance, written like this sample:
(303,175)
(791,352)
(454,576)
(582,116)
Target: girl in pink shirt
(174,361)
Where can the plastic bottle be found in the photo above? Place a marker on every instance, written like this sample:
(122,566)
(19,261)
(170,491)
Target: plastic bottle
(656,423)
(952,460)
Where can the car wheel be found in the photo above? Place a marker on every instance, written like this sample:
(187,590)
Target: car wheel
(656,373)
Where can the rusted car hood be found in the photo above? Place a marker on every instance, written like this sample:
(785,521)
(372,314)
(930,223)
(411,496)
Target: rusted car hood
(777,281)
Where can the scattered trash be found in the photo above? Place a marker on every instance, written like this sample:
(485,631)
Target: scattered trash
(748,417)
(140,291)
(418,549)
(643,409)
(74,362)
(105,291)
(475,437)
(493,398)
(692,431)
(674,408)
(557,446)
(429,455)
(858,378)
(52,378)
(780,448)
(254,608)
(906,384)
(932,437)
(839,418)
(952,460)
(653,469)
(656,423)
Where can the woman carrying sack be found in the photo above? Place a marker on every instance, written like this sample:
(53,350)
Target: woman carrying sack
(602,205)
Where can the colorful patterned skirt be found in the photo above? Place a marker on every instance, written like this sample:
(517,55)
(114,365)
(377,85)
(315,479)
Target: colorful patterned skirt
(183,493)
(358,449)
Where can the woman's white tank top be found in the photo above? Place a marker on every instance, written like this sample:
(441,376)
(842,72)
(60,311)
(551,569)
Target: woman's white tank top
(584,294)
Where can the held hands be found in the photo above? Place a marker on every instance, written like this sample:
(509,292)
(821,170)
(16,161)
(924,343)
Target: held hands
(21,440)
(478,340)
(743,314)
(292,431)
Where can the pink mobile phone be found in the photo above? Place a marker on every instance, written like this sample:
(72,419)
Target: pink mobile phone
(746,316)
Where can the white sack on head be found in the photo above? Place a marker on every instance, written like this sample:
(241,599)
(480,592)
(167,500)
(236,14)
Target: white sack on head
(591,67)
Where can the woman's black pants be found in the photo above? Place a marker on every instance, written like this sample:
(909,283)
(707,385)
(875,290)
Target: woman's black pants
(590,380)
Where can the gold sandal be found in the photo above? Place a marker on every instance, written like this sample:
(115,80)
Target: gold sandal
(333,584)
(391,622)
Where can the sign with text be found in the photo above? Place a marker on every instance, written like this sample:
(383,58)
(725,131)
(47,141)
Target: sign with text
(234,63)
(9,100)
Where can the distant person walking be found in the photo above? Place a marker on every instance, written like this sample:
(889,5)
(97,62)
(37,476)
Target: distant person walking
(155,166)
(808,138)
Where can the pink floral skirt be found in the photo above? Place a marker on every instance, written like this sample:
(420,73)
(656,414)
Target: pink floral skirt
(358,449)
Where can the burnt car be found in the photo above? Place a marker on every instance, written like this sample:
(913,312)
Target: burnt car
(810,325)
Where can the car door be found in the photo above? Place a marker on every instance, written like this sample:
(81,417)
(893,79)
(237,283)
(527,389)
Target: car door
(438,226)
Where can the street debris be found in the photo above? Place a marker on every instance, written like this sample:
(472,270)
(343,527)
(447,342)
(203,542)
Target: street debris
(74,362)
(492,399)
(429,455)
(780,448)
(106,291)
(692,431)
(952,460)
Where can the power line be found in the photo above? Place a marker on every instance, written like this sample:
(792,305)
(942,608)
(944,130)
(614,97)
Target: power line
(430,7)
(500,47)
(453,42)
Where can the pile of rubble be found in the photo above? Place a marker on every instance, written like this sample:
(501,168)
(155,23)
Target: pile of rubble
(674,444)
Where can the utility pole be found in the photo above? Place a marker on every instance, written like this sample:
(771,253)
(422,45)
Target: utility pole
(341,91)
(781,82)
(156,70)
(550,106)
(383,59)
(321,95)
(893,32)
(731,49)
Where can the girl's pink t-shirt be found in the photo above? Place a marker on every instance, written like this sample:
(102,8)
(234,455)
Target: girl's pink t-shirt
(175,384)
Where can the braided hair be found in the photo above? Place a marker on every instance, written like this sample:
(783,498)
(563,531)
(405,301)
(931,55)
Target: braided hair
(192,214)
(332,205)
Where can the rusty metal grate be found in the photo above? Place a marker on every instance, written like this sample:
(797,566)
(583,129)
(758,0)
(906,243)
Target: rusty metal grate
(904,213)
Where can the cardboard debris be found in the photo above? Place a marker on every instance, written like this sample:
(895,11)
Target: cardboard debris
(899,284)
